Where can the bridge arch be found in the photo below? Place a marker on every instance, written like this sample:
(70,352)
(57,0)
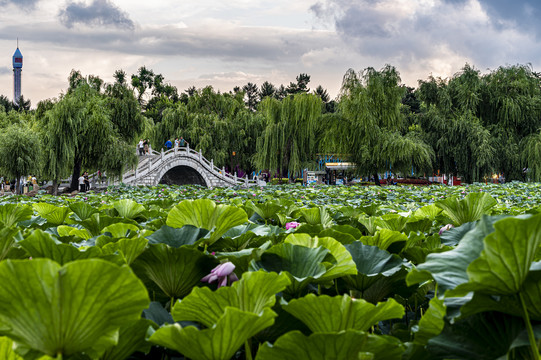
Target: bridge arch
(185,166)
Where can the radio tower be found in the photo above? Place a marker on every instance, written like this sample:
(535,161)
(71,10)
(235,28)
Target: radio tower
(17,70)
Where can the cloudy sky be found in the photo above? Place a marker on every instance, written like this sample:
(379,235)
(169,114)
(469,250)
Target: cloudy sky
(227,43)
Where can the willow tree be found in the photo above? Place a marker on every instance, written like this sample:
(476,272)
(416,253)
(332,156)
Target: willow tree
(512,112)
(288,143)
(531,156)
(373,129)
(218,124)
(78,132)
(19,146)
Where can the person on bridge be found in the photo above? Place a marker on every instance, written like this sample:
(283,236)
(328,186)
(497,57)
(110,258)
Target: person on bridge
(168,144)
(182,142)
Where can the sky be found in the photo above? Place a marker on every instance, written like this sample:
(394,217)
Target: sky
(230,43)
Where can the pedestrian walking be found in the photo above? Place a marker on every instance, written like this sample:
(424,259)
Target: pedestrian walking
(141,147)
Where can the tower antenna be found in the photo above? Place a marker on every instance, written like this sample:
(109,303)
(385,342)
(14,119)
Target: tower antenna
(17,43)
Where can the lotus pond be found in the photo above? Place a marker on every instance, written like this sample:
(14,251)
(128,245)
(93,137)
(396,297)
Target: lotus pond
(280,272)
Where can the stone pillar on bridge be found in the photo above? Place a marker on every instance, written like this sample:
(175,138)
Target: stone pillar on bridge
(200,155)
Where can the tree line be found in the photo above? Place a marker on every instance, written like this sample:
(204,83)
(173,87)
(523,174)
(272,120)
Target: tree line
(470,125)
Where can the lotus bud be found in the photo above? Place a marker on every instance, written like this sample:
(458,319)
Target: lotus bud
(445,228)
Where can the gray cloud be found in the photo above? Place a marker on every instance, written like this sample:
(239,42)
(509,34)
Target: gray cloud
(98,13)
(445,31)
(5,70)
(520,14)
(221,43)
(23,4)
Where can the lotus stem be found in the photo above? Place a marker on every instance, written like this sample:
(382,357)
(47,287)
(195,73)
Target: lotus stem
(172,302)
(248,349)
(531,336)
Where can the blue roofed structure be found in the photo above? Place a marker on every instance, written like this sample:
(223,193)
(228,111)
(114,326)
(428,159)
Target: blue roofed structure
(17,75)
(17,59)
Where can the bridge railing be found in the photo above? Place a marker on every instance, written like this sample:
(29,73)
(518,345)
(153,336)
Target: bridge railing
(156,158)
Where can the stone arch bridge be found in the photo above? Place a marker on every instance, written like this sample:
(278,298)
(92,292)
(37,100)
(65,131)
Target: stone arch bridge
(181,166)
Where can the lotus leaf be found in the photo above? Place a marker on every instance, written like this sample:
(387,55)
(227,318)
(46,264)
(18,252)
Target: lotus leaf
(174,270)
(204,213)
(344,263)
(128,209)
(217,343)
(254,292)
(325,314)
(40,244)
(187,235)
(469,209)
(75,308)
(349,344)
(55,215)
(11,214)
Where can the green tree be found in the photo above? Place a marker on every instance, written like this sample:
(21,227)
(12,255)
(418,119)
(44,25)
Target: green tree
(373,130)
(79,132)
(266,89)
(5,103)
(20,147)
(288,143)
(251,95)
(301,86)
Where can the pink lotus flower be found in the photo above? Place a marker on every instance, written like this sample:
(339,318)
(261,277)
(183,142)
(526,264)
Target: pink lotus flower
(292,225)
(221,273)
(445,228)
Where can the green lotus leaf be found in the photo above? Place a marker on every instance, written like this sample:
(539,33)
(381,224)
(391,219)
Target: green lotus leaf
(174,270)
(71,309)
(302,264)
(325,314)
(349,344)
(432,322)
(7,241)
(341,237)
(11,214)
(469,209)
(346,234)
(254,292)
(40,244)
(204,213)
(344,263)
(158,314)
(369,222)
(187,235)
(384,238)
(65,230)
(484,336)
(55,215)
(82,210)
(420,225)
(129,249)
(429,211)
(505,261)
(120,230)
(373,265)
(449,268)
(453,236)
(317,216)
(6,349)
(217,343)
(97,222)
(532,293)
(243,236)
(392,222)
(266,210)
(128,208)
(131,338)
